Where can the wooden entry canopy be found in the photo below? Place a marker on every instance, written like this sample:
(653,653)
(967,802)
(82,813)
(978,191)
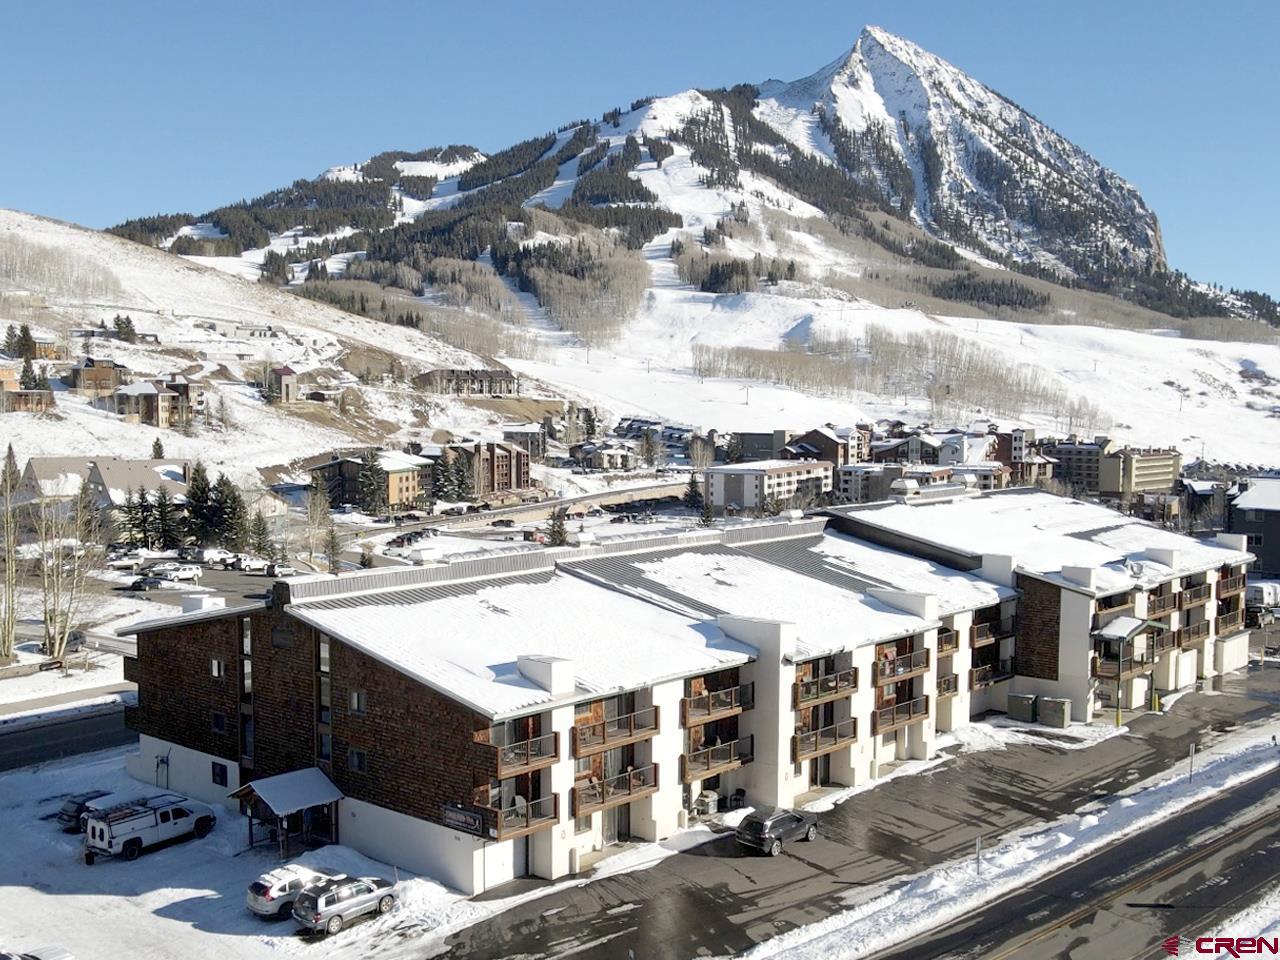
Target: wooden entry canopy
(276,801)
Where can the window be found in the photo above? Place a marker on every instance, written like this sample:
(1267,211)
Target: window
(179,814)
(324,749)
(358,701)
(582,824)
(246,736)
(581,766)
(218,721)
(219,774)
(357,762)
(1254,540)
(217,669)
(164,816)
(246,678)
(246,637)
(322,655)
(323,700)
(281,638)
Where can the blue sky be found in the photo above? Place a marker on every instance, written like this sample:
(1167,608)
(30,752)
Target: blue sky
(118,110)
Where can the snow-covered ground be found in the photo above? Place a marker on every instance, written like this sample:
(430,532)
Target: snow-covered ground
(103,669)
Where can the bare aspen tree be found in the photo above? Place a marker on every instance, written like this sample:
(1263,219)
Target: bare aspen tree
(317,504)
(8,561)
(67,533)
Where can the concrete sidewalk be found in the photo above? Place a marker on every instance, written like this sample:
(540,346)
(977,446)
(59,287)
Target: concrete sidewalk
(70,698)
(715,900)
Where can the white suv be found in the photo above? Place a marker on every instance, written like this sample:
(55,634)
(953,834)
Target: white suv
(273,893)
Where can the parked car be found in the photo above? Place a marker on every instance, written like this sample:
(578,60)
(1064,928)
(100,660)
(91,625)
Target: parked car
(187,571)
(127,829)
(129,561)
(621,518)
(214,555)
(280,570)
(144,584)
(768,830)
(164,566)
(189,553)
(74,807)
(454,511)
(332,904)
(504,522)
(273,893)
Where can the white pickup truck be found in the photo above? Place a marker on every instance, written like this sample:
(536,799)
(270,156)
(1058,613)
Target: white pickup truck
(126,829)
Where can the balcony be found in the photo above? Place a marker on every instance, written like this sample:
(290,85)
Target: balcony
(1117,601)
(1194,596)
(593,738)
(948,686)
(592,795)
(985,634)
(807,693)
(887,719)
(900,668)
(816,743)
(1161,603)
(989,673)
(716,760)
(1122,668)
(1162,640)
(717,704)
(1230,586)
(525,755)
(521,817)
(1229,623)
(1193,632)
(948,641)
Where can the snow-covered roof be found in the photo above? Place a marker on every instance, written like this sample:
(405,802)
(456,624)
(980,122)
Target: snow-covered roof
(1045,533)
(477,631)
(290,792)
(1263,494)
(1121,628)
(118,477)
(756,466)
(143,388)
(58,476)
(396,460)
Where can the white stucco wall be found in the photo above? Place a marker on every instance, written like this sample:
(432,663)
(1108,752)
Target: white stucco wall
(455,859)
(187,771)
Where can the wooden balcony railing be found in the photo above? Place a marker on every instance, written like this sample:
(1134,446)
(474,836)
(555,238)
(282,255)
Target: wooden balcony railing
(815,743)
(1111,668)
(900,668)
(521,817)
(713,761)
(1193,632)
(1162,640)
(948,641)
(806,693)
(1230,586)
(984,634)
(592,795)
(1229,623)
(1193,596)
(989,673)
(1158,604)
(886,719)
(1117,601)
(717,704)
(525,755)
(948,686)
(592,738)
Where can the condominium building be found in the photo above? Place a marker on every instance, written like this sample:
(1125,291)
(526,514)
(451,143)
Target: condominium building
(1104,467)
(754,486)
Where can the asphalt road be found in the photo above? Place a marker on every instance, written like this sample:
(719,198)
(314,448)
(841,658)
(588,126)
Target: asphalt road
(63,738)
(1182,877)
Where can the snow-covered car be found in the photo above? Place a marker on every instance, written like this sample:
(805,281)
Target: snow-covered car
(187,571)
(273,893)
(144,584)
(126,829)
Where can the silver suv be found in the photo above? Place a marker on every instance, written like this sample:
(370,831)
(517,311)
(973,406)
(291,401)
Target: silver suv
(329,905)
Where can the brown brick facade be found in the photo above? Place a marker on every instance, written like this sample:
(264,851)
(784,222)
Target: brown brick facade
(1039,620)
(283,694)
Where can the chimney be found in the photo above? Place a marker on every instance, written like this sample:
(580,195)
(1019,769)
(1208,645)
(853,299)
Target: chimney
(195,602)
(1081,576)
(552,674)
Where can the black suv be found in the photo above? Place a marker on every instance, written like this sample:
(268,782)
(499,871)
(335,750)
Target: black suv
(766,830)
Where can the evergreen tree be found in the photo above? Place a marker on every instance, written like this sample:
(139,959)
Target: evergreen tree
(372,482)
(145,511)
(157,449)
(260,536)
(733,454)
(9,474)
(366,557)
(12,343)
(132,518)
(332,549)
(466,480)
(199,506)
(693,494)
(440,478)
(227,515)
(708,517)
(165,533)
(556,536)
(27,379)
(650,447)
(42,380)
(589,425)
(26,343)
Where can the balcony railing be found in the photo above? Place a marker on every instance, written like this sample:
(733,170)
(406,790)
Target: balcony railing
(900,668)
(806,693)
(983,634)
(1112,668)
(522,817)
(591,738)
(815,743)
(592,795)
(1161,639)
(717,704)
(948,686)
(948,640)
(1162,603)
(1193,632)
(713,761)
(525,755)
(1193,596)
(1230,586)
(989,673)
(1117,601)
(886,719)
(1229,623)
